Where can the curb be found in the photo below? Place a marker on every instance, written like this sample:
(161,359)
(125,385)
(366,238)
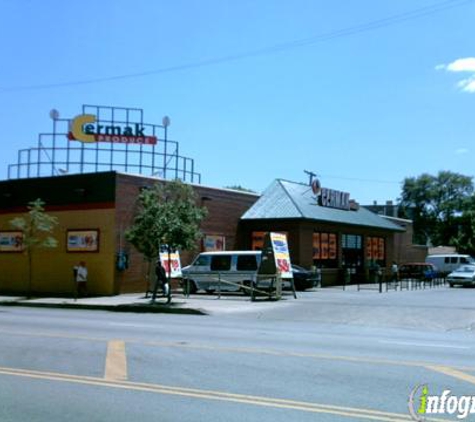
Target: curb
(145,308)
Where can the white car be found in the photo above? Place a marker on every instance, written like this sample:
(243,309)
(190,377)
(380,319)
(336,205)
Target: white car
(464,275)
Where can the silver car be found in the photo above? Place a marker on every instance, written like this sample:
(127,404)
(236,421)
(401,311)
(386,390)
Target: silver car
(463,275)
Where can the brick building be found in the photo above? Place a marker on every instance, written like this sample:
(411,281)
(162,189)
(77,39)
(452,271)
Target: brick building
(99,207)
(324,229)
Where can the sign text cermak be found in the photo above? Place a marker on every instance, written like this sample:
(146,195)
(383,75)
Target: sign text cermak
(85,128)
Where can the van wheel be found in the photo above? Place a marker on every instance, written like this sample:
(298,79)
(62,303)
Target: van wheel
(451,285)
(210,291)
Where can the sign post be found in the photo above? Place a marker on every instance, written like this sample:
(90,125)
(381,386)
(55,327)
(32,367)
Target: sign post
(275,262)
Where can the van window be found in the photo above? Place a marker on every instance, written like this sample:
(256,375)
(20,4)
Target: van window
(202,261)
(246,263)
(453,260)
(464,260)
(446,260)
(220,263)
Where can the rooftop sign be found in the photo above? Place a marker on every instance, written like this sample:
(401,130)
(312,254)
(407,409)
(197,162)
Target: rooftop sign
(83,128)
(329,197)
(334,199)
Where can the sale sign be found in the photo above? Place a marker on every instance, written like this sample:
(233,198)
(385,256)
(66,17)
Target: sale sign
(281,254)
(175,264)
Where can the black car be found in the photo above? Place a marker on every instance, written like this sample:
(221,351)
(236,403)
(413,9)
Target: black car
(418,271)
(304,279)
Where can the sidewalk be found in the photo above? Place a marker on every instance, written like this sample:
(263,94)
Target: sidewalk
(136,302)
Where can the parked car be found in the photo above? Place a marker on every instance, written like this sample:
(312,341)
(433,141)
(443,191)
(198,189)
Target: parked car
(464,276)
(304,279)
(418,271)
(225,271)
(447,263)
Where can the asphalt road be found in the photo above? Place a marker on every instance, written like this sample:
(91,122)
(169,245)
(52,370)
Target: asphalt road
(329,356)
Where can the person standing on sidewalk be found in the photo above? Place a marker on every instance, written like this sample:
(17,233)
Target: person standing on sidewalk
(394,272)
(81,279)
(162,281)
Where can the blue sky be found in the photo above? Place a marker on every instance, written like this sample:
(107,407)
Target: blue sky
(363,108)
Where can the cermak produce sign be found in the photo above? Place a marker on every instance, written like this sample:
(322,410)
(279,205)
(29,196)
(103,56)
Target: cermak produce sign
(84,129)
(331,198)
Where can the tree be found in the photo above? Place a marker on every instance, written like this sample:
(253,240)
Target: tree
(435,204)
(167,216)
(36,226)
(464,239)
(239,188)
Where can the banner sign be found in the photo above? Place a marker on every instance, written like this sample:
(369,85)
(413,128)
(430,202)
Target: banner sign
(281,254)
(212,243)
(84,129)
(175,264)
(11,241)
(82,241)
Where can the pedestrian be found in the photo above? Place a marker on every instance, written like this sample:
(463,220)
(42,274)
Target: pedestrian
(81,279)
(394,272)
(161,280)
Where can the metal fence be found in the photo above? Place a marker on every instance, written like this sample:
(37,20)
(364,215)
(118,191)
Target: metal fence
(254,285)
(384,284)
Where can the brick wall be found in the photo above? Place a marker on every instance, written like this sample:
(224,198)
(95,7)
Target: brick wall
(225,208)
(404,249)
(300,239)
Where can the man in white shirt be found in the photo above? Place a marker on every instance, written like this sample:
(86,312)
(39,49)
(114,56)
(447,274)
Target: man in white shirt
(81,279)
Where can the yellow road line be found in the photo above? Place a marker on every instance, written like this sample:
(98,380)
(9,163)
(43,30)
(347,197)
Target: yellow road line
(451,372)
(350,412)
(116,361)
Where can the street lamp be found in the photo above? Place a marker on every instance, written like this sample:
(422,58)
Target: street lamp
(54,114)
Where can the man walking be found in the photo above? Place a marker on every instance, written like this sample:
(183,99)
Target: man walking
(161,280)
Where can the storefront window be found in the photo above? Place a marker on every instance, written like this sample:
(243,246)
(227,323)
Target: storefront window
(352,250)
(325,249)
(376,250)
(257,240)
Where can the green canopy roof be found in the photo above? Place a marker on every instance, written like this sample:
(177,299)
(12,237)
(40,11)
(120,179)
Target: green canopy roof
(289,200)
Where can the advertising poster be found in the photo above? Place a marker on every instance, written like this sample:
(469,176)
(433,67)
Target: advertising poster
(258,241)
(332,250)
(11,241)
(175,264)
(213,243)
(82,241)
(375,247)
(369,253)
(316,246)
(324,245)
(281,254)
(381,249)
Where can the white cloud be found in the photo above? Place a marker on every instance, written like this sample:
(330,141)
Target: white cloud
(461,151)
(467,85)
(462,65)
(466,64)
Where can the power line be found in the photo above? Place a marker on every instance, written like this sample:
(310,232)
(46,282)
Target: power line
(341,33)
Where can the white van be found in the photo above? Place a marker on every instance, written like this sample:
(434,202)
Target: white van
(224,271)
(446,263)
